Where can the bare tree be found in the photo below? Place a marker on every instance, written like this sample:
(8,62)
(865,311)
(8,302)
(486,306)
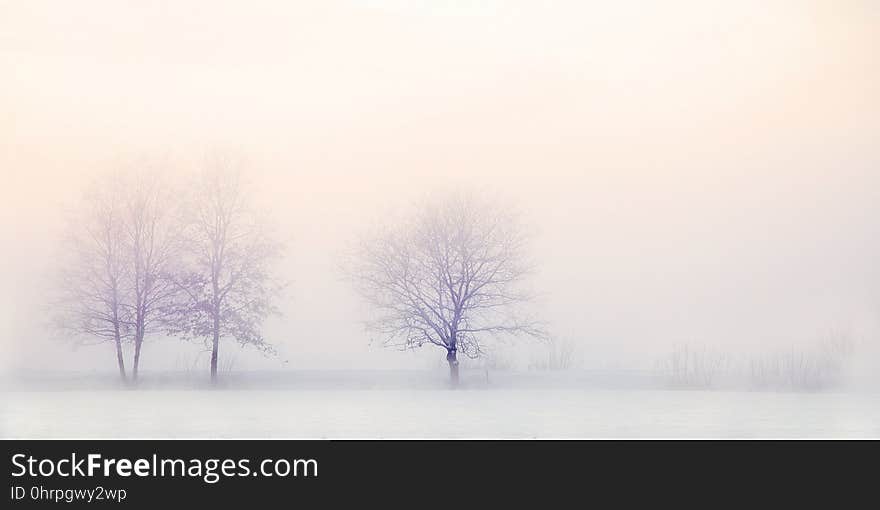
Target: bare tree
(152,246)
(118,253)
(227,286)
(94,270)
(447,276)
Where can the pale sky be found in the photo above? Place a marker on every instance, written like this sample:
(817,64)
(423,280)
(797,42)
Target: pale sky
(696,170)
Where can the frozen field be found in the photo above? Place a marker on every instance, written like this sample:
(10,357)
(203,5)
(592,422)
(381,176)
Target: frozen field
(381,407)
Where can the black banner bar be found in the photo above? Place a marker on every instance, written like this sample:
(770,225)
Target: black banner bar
(288,473)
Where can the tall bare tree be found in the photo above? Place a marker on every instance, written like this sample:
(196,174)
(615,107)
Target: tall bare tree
(228,286)
(447,276)
(120,248)
(152,245)
(94,270)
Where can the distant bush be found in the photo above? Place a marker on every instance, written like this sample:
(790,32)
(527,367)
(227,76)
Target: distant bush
(824,368)
(692,367)
(797,369)
(558,354)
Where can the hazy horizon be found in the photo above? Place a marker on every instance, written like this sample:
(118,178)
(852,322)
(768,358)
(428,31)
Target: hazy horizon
(702,172)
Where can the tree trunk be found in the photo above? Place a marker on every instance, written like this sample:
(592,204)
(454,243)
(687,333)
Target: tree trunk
(137,357)
(453,366)
(214,347)
(120,361)
(138,341)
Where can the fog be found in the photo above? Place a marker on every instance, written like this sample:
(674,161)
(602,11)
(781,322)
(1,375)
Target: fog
(694,172)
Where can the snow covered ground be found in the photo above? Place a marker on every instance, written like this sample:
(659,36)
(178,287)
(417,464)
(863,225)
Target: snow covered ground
(418,405)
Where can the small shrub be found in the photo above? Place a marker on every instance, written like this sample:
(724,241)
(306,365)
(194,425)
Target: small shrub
(557,355)
(688,367)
